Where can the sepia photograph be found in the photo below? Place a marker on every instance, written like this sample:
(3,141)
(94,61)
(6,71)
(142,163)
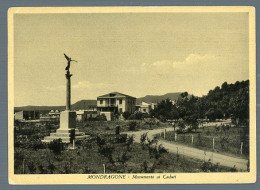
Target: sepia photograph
(131,95)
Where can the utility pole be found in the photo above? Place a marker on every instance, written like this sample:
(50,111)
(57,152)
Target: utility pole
(23,166)
(104,167)
(241,148)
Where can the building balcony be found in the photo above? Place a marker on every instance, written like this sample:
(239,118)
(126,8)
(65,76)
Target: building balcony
(108,108)
(107,105)
(112,105)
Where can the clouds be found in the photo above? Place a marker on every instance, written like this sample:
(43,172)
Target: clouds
(195,73)
(190,60)
(81,85)
(52,88)
(162,68)
(90,85)
(196,58)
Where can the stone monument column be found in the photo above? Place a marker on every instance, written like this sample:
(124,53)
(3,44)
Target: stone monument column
(68,91)
(68,117)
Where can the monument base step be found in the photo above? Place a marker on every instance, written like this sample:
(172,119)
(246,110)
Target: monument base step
(66,130)
(51,138)
(81,137)
(65,135)
(79,133)
(60,134)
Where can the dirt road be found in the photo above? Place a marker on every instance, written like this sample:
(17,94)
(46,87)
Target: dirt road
(224,160)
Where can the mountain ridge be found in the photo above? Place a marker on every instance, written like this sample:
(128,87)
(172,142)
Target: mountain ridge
(86,104)
(158,98)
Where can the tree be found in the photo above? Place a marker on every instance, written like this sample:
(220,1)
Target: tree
(209,167)
(184,94)
(151,122)
(56,146)
(144,167)
(174,114)
(164,109)
(224,86)
(129,142)
(181,124)
(210,114)
(136,116)
(240,106)
(101,117)
(192,121)
(126,114)
(132,126)
(107,151)
(143,139)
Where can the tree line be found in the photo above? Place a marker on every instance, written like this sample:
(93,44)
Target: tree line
(226,101)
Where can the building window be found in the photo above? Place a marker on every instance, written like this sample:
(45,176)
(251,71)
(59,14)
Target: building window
(120,101)
(101,101)
(120,110)
(144,110)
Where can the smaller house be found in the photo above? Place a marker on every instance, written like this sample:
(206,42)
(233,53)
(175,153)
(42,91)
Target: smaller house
(80,115)
(27,115)
(153,105)
(92,108)
(145,107)
(83,115)
(48,118)
(54,113)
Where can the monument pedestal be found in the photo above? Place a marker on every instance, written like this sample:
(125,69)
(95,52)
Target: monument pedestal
(68,119)
(67,131)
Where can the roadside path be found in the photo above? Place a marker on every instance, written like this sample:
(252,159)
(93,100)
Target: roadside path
(224,160)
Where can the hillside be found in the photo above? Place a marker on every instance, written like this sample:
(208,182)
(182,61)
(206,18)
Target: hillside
(38,108)
(158,98)
(76,106)
(86,104)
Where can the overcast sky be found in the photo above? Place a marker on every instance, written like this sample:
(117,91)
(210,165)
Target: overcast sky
(136,54)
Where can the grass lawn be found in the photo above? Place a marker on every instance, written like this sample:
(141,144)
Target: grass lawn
(90,160)
(109,127)
(117,153)
(226,140)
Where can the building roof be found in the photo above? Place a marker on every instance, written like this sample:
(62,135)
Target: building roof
(145,104)
(115,95)
(80,112)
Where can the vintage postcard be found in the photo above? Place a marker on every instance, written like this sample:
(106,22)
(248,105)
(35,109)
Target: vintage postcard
(131,95)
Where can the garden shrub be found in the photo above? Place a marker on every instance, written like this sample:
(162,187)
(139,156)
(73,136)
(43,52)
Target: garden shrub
(129,142)
(126,114)
(56,146)
(107,151)
(132,126)
(209,167)
(101,117)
